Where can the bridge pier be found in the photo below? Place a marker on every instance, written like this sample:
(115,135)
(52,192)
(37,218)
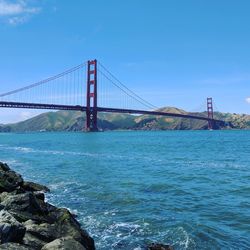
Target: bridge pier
(91,107)
(210,113)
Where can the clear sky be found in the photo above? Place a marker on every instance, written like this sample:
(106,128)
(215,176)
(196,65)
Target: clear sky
(172,53)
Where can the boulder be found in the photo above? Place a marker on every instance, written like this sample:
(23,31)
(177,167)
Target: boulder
(4,167)
(45,232)
(24,202)
(68,226)
(9,180)
(38,235)
(31,186)
(26,206)
(66,243)
(33,242)
(10,229)
(29,239)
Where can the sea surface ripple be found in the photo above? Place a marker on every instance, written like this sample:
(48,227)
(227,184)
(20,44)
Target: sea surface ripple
(190,189)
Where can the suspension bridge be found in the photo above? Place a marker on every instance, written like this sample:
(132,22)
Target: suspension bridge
(91,88)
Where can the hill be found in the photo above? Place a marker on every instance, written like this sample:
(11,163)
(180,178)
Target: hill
(75,121)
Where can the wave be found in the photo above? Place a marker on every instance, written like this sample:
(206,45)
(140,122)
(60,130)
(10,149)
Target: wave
(85,154)
(53,152)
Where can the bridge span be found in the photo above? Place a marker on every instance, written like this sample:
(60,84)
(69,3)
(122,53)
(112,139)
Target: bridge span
(103,109)
(18,98)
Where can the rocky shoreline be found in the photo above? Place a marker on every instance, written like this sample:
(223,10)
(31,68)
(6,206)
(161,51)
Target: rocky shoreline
(28,222)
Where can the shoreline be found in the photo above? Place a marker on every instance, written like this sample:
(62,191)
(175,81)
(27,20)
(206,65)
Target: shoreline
(29,222)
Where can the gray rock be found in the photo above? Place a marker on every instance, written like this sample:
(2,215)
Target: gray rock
(10,229)
(9,180)
(4,166)
(38,235)
(39,195)
(3,196)
(31,186)
(65,243)
(14,246)
(26,206)
(45,232)
(28,222)
(68,226)
(33,242)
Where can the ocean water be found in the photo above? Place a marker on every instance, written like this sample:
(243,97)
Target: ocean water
(190,189)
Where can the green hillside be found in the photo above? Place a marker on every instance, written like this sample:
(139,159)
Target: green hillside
(75,121)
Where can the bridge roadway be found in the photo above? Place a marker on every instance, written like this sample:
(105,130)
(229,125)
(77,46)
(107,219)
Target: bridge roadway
(101,109)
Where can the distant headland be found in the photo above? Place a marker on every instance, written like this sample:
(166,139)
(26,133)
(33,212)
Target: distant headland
(75,121)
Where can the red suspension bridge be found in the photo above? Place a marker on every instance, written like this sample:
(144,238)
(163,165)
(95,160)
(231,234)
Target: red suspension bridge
(90,88)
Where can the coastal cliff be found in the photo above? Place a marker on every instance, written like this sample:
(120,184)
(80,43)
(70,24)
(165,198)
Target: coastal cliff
(28,222)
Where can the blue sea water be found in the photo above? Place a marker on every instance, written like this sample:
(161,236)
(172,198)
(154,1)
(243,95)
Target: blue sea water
(190,189)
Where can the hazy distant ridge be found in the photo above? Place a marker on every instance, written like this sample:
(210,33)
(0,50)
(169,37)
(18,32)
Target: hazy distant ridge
(75,121)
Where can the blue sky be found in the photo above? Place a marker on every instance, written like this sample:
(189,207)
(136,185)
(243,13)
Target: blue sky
(172,53)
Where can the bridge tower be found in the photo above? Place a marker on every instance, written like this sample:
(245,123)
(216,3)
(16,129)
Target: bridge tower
(210,112)
(91,111)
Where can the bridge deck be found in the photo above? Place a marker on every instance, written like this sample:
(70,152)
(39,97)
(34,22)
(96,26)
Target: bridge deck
(158,113)
(99,109)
